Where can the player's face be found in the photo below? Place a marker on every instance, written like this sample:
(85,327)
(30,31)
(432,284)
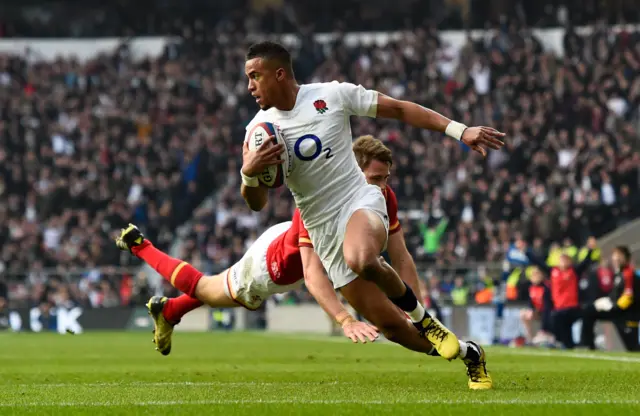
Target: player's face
(617,259)
(565,262)
(377,173)
(536,277)
(263,81)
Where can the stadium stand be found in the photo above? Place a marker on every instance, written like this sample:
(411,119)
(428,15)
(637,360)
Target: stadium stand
(87,147)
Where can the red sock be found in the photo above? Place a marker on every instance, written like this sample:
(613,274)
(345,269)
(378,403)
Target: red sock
(180,274)
(176,308)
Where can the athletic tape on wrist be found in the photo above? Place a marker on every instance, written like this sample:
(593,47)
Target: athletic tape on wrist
(251,182)
(455,130)
(343,317)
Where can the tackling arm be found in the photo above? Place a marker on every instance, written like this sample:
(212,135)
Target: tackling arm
(403,263)
(320,286)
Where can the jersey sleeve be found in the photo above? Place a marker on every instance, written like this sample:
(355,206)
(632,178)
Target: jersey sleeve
(626,299)
(303,235)
(392,210)
(357,100)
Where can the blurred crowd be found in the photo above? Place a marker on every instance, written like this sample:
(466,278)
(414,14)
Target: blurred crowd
(64,18)
(87,147)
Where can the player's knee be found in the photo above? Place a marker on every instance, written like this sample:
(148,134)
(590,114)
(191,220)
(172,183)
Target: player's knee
(365,266)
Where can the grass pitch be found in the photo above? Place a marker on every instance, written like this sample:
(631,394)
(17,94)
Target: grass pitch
(265,374)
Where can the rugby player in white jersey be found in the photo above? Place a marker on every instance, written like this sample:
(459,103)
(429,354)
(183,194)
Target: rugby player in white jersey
(346,217)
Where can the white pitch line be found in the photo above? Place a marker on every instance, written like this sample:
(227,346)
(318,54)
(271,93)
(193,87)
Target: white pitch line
(180,384)
(569,354)
(506,402)
(504,351)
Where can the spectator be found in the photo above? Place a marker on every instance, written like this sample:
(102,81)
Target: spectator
(620,307)
(539,309)
(432,235)
(141,290)
(564,289)
(460,291)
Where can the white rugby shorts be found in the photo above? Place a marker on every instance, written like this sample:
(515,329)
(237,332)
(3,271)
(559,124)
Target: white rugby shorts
(248,281)
(328,237)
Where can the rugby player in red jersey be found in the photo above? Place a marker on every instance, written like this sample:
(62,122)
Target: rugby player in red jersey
(375,160)
(271,265)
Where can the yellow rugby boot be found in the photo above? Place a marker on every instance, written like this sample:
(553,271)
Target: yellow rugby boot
(443,340)
(163,329)
(479,377)
(129,237)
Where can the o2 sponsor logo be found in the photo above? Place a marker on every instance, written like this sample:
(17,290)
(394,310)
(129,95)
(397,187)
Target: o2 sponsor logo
(309,147)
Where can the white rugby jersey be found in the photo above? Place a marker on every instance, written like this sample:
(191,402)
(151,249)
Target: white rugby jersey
(317,132)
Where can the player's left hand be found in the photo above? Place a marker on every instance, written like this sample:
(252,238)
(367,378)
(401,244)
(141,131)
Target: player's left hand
(358,331)
(479,138)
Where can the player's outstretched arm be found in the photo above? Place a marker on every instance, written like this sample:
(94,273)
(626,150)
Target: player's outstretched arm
(321,289)
(477,138)
(254,162)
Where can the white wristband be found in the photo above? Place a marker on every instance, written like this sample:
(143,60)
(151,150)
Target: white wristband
(249,181)
(455,130)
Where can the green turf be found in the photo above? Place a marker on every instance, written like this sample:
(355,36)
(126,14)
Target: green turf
(263,374)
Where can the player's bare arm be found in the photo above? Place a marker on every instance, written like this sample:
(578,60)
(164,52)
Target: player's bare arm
(322,290)
(254,162)
(477,138)
(403,262)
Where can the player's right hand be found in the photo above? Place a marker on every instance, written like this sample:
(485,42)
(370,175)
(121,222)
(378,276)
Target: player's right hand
(479,138)
(358,331)
(256,161)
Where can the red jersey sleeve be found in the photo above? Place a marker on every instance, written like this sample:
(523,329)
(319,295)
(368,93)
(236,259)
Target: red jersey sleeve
(627,297)
(629,276)
(392,210)
(303,235)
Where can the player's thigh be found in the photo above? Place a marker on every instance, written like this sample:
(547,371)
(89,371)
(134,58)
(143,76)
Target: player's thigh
(364,238)
(366,298)
(365,225)
(212,291)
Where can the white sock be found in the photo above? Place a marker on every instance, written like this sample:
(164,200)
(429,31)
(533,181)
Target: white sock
(417,314)
(467,349)
(463,349)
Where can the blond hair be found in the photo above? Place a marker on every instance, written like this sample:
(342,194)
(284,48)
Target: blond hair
(368,148)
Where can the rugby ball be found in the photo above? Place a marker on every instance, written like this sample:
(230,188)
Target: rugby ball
(275,175)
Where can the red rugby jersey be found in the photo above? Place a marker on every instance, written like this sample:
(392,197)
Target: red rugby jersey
(283,255)
(392,210)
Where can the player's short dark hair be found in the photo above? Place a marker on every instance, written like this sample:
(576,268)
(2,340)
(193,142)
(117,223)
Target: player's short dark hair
(368,148)
(624,250)
(271,51)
